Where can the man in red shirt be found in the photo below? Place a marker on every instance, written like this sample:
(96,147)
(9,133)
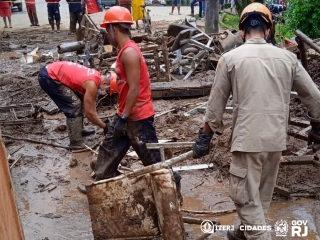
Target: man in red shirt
(132,125)
(72,86)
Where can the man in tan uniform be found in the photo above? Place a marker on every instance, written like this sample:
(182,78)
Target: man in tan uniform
(260,77)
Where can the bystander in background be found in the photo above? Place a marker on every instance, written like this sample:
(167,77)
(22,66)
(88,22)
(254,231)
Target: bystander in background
(5,12)
(32,12)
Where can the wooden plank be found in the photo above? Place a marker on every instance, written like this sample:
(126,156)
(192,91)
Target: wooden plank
(299,123)
(10,225)
(167,205)
(282,191)
(297,160)
(308,150)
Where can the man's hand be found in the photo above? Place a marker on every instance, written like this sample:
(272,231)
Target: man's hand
(314,134)
(120,127)
(202,145)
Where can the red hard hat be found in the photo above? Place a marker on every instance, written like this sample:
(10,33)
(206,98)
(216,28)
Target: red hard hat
(117,14)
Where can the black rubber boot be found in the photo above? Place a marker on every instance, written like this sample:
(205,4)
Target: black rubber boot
(58,27)
(52,27)
(74,126)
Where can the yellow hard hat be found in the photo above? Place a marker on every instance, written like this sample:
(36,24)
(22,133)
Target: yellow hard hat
(256,9)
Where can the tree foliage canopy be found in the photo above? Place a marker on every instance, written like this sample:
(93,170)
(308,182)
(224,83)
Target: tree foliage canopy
(305,16)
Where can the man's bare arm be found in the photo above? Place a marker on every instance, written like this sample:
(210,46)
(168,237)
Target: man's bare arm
(89,103)
(131,61)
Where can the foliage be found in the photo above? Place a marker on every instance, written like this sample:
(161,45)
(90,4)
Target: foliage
(241,4)
(231,20)
(305,16)
(283,31)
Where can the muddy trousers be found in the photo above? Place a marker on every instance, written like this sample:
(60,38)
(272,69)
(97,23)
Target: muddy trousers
(53,13)
(75,17)
(32,13)
(68,101)
(252,180)
(114,149)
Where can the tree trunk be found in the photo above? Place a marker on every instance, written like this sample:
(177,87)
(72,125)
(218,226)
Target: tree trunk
(212,17)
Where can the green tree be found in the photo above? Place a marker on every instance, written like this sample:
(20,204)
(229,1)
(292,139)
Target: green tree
(305,16)
(241,4)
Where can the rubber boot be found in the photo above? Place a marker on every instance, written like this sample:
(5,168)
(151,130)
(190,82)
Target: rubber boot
(86,132)
(58,27)
(74,126)
(52,26)
(236,234)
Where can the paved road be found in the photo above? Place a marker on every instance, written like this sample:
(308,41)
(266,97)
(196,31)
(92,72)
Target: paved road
(20,20)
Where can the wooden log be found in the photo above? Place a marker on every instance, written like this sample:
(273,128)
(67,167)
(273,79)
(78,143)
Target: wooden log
(213,213)
(297,160)
(307,40)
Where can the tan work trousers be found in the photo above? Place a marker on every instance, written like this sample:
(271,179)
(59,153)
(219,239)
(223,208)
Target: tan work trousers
(252,180)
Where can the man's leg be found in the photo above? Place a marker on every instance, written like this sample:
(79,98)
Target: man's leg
(35,17)
(30,15)
(193,2)
(246,173)
(73,22)
(111,153)
(269,178)
(200,9)
(51,15)
(79,19)
(142,132)
(57,16)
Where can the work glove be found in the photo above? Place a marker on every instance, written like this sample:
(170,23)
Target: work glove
(202,145)
(120,128)
(314,134)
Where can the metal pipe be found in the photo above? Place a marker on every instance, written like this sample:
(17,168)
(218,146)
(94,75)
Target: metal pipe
(70,47)
(161,165)
(307,40)
(169,145)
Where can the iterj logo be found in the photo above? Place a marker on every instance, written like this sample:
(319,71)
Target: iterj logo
(281,228)
(207,226)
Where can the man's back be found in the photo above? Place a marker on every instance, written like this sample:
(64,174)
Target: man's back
(261,78)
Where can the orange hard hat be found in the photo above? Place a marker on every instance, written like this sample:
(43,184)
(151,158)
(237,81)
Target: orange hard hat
(256,9)
(117,14)
(113,83)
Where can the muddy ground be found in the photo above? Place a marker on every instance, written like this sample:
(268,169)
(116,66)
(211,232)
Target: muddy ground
(45,177)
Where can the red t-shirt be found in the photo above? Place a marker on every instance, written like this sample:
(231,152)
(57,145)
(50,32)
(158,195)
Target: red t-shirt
(73,75)
(92,6)
(143,107)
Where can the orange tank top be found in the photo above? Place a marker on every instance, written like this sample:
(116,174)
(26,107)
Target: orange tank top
(143,107)
(73,75)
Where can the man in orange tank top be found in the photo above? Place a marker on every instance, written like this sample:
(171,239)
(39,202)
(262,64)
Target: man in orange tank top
(72,86)
(132,125)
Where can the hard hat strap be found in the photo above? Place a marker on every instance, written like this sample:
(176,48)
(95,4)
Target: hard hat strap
(112,33)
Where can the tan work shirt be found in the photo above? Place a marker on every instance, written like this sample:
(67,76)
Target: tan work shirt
(260,77)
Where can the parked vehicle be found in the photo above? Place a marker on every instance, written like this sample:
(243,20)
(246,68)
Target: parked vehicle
(17,4)
(109,3)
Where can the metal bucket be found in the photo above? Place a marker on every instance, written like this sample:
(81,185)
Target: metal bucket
(125,208)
